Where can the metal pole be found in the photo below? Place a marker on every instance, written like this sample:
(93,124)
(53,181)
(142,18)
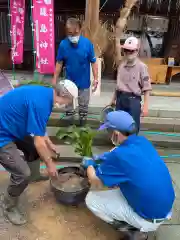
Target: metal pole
(34,51)
(12,50)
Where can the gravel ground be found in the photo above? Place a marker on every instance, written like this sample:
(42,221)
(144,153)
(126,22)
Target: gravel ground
(51,221)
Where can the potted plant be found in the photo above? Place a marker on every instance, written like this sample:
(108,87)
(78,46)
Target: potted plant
(80,138)
(72,185)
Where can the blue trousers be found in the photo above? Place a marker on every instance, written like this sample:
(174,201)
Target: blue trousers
(130,103)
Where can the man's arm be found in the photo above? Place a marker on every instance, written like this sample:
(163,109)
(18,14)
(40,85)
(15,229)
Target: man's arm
(95,75)
(59,63)
(95,70)
(36,126)
(146,89)
(94,65)
(51,146)
(45,155)
(110,172)
(146,103)
(93,179)
(58,70)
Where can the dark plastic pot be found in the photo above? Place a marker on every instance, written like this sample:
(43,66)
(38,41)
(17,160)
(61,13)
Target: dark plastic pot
(72,198)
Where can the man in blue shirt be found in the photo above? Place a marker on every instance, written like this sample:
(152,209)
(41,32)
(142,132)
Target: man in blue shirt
(76,53)
(140,191)
(24,113)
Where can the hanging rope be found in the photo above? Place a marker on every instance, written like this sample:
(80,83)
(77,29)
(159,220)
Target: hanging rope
(12,51)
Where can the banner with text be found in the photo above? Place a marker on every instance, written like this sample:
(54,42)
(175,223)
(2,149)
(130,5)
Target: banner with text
(43,18)
(17,14)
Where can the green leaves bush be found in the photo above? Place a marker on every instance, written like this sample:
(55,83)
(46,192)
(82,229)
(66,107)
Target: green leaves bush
(80,138)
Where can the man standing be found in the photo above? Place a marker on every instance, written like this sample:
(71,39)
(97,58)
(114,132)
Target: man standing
(24,112)
(77,53)
(140,195)
(133,81)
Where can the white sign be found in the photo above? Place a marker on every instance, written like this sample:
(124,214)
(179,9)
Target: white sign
(43,28)
(43,44)
(43,12)
(44,61)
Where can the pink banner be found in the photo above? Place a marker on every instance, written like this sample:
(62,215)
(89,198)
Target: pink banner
(17,13)
(43,18)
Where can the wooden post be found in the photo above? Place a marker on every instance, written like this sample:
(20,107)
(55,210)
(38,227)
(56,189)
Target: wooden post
(92,16)
(91,28)
(88,13)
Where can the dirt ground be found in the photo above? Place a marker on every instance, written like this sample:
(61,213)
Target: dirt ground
(51,221)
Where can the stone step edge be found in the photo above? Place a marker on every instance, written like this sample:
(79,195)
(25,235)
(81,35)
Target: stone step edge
(164,113)
(96,118)
(147,124)
(75,158)
(67,151)
(103,140)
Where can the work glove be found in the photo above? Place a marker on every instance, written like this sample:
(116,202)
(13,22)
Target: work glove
(94,161)
(87,161)
(100,157)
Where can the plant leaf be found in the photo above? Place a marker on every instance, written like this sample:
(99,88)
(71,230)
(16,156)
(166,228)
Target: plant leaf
(80,138)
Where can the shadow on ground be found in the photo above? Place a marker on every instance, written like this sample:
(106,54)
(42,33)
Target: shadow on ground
(51,221)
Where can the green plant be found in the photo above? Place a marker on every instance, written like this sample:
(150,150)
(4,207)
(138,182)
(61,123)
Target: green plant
(80,138)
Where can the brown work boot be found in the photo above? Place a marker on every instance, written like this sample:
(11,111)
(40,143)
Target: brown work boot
(11,211)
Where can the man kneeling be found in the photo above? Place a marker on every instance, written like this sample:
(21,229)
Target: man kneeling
(140,193)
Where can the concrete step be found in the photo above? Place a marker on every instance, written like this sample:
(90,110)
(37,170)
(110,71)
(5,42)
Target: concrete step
(147,123)
(67,153)
(153,112)
(103,139)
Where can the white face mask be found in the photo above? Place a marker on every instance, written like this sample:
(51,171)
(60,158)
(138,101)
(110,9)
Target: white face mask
(74,39)
(114,139)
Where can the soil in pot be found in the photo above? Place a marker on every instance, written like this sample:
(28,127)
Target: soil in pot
(69,182)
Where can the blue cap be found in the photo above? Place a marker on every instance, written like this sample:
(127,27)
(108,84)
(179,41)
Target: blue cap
(120,121)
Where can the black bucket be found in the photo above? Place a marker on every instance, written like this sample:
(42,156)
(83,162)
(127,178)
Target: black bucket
(72,198)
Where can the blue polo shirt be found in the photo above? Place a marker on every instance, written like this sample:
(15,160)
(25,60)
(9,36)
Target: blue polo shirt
(24,111)
(142,176)
(77,60)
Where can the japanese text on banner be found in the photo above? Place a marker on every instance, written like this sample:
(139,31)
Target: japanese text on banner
(43,14)
(17,13)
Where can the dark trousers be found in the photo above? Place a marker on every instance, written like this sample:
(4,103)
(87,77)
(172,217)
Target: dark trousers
(130,103)
(83,101)
(16,164)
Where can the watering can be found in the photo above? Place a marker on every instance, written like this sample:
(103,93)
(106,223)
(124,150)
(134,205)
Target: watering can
(105,111)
